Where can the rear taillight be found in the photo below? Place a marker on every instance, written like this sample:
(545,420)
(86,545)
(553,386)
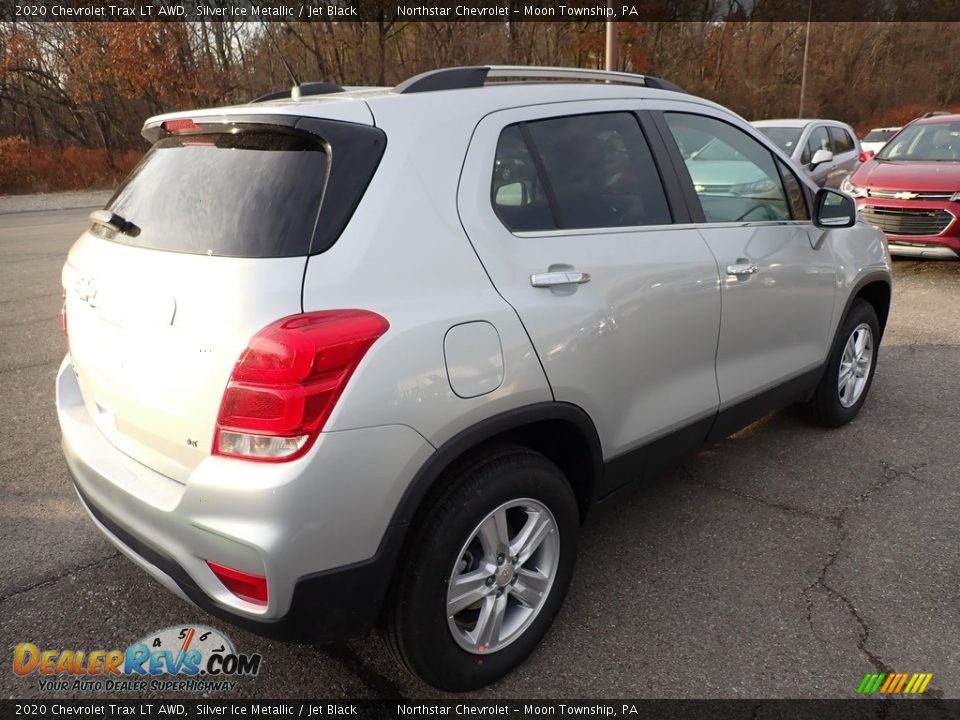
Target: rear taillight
(246,586)
(866,155)
(288,380)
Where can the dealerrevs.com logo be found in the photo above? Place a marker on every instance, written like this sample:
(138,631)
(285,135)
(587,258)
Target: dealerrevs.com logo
(189,658)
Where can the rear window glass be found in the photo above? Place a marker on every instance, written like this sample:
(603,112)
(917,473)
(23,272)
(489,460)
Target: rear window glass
(248,194)
(879,135)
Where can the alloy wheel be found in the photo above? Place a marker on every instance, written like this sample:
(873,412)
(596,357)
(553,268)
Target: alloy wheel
(502,576)
(855,365)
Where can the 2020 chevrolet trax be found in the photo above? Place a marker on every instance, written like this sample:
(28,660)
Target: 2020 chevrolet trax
(346,358)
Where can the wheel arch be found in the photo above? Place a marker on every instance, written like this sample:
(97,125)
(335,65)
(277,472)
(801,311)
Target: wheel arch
(562,432)
(873,287)
(878,293)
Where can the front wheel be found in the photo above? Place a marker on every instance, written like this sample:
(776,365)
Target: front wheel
(487,573)
(850,368)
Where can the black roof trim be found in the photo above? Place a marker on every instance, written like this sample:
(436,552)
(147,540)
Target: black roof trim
(456,78)
(661,84)
(461,78)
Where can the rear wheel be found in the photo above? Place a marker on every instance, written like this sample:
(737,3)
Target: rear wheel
(487,573)
(850,368)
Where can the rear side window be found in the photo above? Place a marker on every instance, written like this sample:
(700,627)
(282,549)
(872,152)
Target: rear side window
(577,172)
(842,142)
(249,194)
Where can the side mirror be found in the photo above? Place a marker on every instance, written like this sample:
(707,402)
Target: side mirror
(821,156)
(511,195)
(834,209)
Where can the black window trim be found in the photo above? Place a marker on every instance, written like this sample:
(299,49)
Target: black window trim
(783,165)
(684,183)
(672,187)
(679,212)
(541,171)
(833,144)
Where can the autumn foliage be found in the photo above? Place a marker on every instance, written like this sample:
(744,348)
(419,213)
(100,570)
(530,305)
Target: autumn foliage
(73,95)
(26,168)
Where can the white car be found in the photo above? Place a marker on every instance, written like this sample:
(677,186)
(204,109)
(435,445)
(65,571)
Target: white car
(874,140)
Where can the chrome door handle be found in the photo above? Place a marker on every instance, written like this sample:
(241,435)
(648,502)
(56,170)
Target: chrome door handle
(742,269)
(551,279)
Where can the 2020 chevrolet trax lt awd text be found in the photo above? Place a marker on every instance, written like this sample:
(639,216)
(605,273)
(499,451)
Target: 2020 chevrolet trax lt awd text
(341,359)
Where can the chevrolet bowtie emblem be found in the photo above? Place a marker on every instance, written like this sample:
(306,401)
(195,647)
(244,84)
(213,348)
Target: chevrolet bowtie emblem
(87,290)
(905,195)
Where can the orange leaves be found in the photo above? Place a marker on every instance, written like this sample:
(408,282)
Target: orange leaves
(892,117)
(589,42)
(17,47)
(25,167)
(14,156)
(130,60)
(633,53)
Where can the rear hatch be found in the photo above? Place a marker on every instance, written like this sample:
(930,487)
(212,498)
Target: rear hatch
(203,245)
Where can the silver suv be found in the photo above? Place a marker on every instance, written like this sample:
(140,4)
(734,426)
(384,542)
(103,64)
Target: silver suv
(346,358)
(827,150)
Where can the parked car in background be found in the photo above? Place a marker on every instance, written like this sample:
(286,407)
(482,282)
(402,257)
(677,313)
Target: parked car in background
(911,189)
(877,138)
(719,169)
(827,150)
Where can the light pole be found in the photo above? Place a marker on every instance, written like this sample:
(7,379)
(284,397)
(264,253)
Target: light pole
(806,48)
(610,53)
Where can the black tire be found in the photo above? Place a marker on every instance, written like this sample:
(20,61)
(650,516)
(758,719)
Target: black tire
(825,407)
(416,623)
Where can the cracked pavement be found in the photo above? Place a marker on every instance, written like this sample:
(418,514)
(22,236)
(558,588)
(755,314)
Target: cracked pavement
(785,561)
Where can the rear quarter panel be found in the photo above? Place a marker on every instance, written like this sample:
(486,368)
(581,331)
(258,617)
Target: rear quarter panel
(405,255)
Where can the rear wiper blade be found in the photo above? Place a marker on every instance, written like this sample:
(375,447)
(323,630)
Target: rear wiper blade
(114,222)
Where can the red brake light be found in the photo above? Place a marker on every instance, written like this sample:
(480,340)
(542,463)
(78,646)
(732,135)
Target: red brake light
(178,127)
(244,585)
(866,155)
(288,380)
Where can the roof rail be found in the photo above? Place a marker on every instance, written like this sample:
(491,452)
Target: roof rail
(459,78)
(298,91)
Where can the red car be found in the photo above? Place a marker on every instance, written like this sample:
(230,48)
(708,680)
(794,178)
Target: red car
(911,189)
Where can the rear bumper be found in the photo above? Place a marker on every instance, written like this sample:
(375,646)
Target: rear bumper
(328,606)
(319,533)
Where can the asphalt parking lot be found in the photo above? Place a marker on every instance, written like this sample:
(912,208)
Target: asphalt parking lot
(784,562)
